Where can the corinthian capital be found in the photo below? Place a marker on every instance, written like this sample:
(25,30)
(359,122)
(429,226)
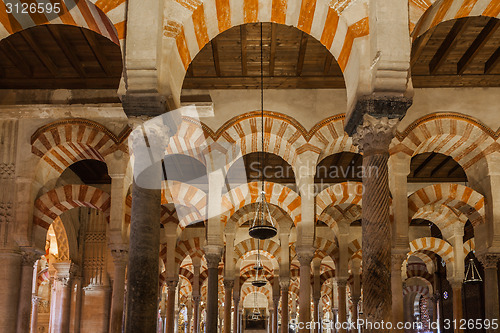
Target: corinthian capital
(489,260)
(213,255)
(375,134)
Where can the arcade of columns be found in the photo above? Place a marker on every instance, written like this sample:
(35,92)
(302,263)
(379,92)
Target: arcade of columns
(80,257)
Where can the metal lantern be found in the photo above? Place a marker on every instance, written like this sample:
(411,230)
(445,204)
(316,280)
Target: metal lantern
(472,274)
(263,224)
(258,282)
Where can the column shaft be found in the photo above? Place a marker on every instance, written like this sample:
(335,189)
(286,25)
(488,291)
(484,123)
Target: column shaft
(120,262)
(235,315)
(316,315)
(491,305)
(397,290)
(457,304)
(170,314)
(305,256)
(284,307)
(213,260)
(341,285)
(142,281)
(25,293)
(196,314)
(62,306)
(228,290)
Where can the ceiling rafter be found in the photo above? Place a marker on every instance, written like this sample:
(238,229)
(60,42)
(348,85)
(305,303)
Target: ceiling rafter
(447,45)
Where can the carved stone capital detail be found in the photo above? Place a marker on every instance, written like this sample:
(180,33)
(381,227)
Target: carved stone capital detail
(172,283)
(29,258)
(375,134)
(120,255)
(305,255)
(284,284)
(228,284)
(489,260)
(196,299)
(341,283)
(397,260)
(213,255)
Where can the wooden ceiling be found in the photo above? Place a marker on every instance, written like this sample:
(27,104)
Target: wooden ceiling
(59,57)
(435,167)
(464,52)
(291,59)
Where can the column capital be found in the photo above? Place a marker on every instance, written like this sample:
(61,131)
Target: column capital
(489,260)
(456,283)
(374,135)
(228,284)
(397,260)
(172,283)
(213,255)
(285,284)
(341,283)
(196,299)
(305,254)
(29,258)
(119,253)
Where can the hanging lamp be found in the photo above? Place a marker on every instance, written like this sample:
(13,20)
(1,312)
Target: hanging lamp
(259,282)
(263,226)
(472,273)
(256,312)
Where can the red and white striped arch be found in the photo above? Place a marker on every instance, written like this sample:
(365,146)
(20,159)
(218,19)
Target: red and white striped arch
(276,194)
(335,216)
(191,140)
(59,200)
(349,193)
(469,246)
(435,245)
(330,135)
(421,290)
(418,270)
(454,196)
(192,247)
(442,216)
(434,12)
(245,248)
(248,290)
(62,143)
(463,138)
(325,247)
(319,18)
(105,17)
(192,198)
(426,259)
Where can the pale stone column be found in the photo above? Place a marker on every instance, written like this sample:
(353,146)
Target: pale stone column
(284,286)
(228,290)
(34,314)
(491,305)
(236,301)
(456,286)
(342,309)
(305,256)
(25,292)
(62,303)
(196,314)
(120,257)
(397,290)
(170,313)
(373,138)
(10,275)
(316,314)
(77,314)
(213,256)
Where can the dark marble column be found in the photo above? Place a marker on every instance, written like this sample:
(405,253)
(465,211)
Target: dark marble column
(213,256)
(284,285)
(491,305)
(373,139)
(196,314)
(342,310)
(456,286)
(316,315)
(236,312)
(25,292)
(228,290)
(276,301)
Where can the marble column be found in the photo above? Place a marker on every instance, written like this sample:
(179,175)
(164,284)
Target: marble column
(213,257)
(491,305)
(284,286)
(143,268)
(305,256)
(316,314)
(276,301)
(120,257)
(228,296)
(10,275)
(34,314)
(196,314)
(26,291)
(170,313)
(373,138)
(62,301)
(456,286)
(236,301)
(342,310)
(77,314)
(397,290)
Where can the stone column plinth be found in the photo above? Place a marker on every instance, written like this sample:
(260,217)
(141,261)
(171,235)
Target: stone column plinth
(120,257)
(373,138)
(284,286)
(305,256)
(228,295)
(491,305)
(213,256)
(342,309)
(25,292)
(170,313)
